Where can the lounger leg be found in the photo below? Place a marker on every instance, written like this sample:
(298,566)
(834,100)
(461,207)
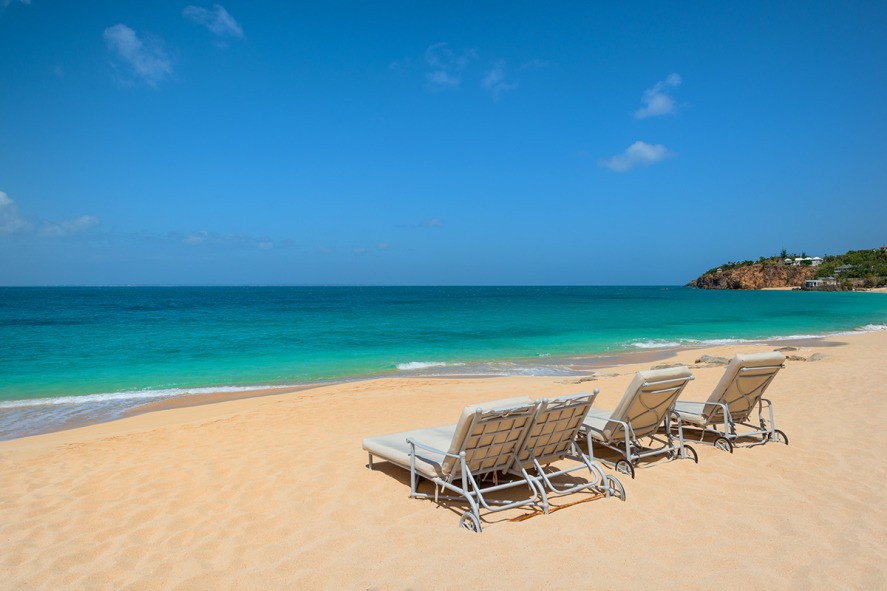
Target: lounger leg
(370,465)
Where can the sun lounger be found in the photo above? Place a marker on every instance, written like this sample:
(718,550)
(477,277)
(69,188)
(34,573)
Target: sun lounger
(551,438)
(460,458)
(734,400)
(645,407)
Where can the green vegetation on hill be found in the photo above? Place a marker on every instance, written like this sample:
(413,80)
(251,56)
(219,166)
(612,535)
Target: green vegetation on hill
(867,265)
(855,269)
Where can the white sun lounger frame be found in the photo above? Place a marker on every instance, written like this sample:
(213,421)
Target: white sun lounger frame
(630,447)
(727,437)
(551,437)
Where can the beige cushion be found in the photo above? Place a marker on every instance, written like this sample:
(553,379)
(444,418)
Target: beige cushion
(395,449)
(740,390)
(484,445)
(643,407)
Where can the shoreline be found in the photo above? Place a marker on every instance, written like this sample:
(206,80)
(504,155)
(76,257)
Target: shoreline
(580,367)
(273,491)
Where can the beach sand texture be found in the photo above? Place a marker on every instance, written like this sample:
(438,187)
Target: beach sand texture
(273,492)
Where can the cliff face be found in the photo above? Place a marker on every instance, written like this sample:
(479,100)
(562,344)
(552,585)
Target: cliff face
(756,276)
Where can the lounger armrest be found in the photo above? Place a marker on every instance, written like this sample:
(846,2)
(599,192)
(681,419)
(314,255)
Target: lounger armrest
(724,409)
(681,405)
(414,444)
(759,367)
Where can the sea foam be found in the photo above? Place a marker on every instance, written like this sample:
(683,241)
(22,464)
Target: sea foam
(666,344)
(417,365)
(130,395)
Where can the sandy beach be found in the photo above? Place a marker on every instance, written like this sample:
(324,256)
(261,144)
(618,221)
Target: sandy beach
(273,493)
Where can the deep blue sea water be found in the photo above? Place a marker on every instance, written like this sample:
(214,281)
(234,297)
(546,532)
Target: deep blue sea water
(71,354)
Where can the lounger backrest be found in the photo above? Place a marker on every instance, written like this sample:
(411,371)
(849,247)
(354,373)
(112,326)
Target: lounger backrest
(554,427)
(647,400)
(743,383)
(489,434)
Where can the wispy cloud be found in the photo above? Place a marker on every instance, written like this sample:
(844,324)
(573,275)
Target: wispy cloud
(12,222)
(445,69)
(446,66)
(533,64)
(8,2)
(66,227)
(217,20)
(637,154)
(432,223)
(495,81)
(204,237)
(658,100)
(145,60)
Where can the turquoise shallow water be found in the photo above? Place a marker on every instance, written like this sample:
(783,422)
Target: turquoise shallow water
(73,354)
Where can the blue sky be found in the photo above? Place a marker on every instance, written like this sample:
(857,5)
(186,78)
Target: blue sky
(446,143)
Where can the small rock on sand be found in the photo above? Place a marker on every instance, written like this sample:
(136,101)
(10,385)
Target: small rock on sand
(816,357)
(713,360)
(795,358)
(784,349)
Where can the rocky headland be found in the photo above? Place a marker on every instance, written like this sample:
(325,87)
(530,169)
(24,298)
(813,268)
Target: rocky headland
(755,276)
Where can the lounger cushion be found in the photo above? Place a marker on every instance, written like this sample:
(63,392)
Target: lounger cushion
(394,447)
(632,409)
(596,423)
(729,391)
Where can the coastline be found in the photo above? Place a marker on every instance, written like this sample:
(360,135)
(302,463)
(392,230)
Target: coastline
(273,492)
(567,367)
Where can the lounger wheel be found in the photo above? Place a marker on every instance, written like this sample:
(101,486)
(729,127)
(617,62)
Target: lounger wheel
(614,487)
(724,444)
(691,453)
(625,467)
(780,436)
(470,522)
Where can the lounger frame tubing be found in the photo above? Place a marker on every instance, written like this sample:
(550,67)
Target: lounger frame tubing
(767,431)
(470,490)
(599,482)
(631,451)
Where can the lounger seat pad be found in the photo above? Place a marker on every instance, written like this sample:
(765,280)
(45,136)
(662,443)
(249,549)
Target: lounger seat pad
(689,414)
(728,391)
(395,449)
(596,423)
(447,438)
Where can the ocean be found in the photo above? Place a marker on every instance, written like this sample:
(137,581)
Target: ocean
(70,355)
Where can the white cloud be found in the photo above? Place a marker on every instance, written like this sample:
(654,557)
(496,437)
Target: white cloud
(533,64)
(216,20)
(196,237)
(147,61)
(495,82)
(446,66)
(66,227)
(658,100)
(442,80)
(637,154)
(10,220)
(8,2)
